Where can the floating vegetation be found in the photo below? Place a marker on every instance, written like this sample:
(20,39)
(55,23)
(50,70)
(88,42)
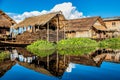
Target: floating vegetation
(41,48)
(76,43)
(41,45)
(113,43)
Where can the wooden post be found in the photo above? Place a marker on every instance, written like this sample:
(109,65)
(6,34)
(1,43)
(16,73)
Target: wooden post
(64,32)
(57,61)
(57,27)
(33,29)
(64,59)
(48,31)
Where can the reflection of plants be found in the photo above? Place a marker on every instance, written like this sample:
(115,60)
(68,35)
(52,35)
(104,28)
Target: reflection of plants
(80,51)
(4,55)
(113,43)
(76,43)
(42,53)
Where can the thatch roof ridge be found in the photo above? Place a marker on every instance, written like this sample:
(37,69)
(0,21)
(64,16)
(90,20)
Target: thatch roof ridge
(83,23)
(5,20)
(37,20)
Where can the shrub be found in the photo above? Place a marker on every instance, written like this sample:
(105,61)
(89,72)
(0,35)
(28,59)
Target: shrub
(41,48)
(76,43)
(110,43)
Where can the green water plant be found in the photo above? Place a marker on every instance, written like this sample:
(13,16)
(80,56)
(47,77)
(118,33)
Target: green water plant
(76,43)
(41,48)
(113,43)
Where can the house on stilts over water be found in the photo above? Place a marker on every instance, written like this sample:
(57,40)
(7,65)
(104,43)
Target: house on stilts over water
(5,24)
(91,27)
(45,27)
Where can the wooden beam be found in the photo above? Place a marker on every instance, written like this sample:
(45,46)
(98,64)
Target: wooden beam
(64,32)
(48,31)
(33,29)
(57,28)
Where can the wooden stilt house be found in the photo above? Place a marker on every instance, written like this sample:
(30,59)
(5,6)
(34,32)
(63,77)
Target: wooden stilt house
(92,27)
(5,23)
(113,26)
(47,27)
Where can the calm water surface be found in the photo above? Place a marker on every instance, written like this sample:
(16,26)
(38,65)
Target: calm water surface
(22,65)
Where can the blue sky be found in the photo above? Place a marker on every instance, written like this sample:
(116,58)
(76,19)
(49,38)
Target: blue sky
(103,8)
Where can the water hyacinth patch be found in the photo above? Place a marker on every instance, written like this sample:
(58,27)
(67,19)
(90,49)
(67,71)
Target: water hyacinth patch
(110,43)
(76,43)
(41,48)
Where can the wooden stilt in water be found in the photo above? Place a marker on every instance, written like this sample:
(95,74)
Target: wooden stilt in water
(57,59)
(48,62)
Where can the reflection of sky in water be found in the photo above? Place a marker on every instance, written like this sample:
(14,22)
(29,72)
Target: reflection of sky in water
(107,71)
(70,67)
(21,73)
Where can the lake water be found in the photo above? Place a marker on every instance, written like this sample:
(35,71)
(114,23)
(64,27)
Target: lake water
(102,64)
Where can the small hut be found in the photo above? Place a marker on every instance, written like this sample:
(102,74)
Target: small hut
(5,24)
(91,27)
(46,27)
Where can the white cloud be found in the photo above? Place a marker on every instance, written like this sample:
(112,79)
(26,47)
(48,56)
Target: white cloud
(69,11)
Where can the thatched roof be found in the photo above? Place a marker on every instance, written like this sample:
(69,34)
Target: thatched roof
(40,20)
(5,20)
(84,24)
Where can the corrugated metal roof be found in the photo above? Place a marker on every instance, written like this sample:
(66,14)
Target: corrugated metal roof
(111,18)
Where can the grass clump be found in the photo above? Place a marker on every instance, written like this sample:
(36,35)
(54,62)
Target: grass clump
(41,48)
(110,43)
(76,43)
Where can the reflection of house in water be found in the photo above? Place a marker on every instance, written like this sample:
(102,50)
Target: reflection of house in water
(5,24)
(111,55)
(92,27)
(5,66)
(15,54)
(56,64)
(87,60)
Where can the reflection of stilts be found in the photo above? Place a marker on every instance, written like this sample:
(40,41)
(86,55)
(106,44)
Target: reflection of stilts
(64,60)
(38,62)
(48,62)
(57,59)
